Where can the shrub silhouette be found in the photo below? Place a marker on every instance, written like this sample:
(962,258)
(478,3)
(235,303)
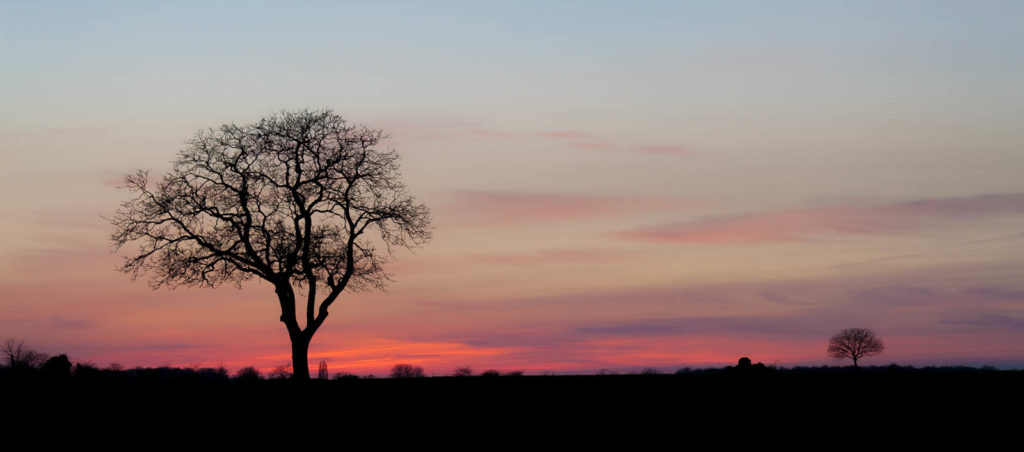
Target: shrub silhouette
(345,376)
(86,371)
(248,373)
(745,367)
(407,371)
(58,367)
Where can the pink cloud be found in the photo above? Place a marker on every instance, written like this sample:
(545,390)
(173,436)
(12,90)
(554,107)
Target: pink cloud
(490,133)
(565,134)
(594,145)
(800,224)
(590,142)
(660,149)
(551,256)
(485,208)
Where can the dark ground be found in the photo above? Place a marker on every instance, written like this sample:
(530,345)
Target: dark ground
(917,405)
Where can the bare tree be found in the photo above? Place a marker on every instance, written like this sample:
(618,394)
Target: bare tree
(19,356)
(303,200)
(282,372)
(855,343)
(407,371)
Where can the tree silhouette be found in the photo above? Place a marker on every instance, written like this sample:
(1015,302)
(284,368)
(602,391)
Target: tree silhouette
(303,200)
(20,357)
(282,372)
(322,372)
(248,373)
(407,371)
(855,343)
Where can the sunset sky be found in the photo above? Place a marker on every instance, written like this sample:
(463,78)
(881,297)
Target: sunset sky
(614,185)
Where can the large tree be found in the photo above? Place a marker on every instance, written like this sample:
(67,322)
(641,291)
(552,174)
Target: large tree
(855,343)
(303,200)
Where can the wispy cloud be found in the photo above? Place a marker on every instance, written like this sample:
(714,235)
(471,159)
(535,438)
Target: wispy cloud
(591,142)
(551,256)
(565,134)
(896,296)
(998,239)
(987,321)
(660,149)
(489,208)
(745,325)
(996,292)
(801,224)
(410,130)
(593,145)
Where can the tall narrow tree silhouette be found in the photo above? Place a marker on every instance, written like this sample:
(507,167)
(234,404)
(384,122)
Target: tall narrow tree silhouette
(303,200)
(855,343)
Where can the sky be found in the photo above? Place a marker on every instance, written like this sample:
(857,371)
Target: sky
(614,185)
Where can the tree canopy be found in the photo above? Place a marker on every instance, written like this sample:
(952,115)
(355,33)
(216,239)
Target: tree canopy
(855,343)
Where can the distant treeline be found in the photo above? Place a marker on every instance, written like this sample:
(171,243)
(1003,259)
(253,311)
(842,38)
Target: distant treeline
(745,397)
(58,370)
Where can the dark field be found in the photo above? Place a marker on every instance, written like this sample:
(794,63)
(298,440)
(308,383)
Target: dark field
(945,401)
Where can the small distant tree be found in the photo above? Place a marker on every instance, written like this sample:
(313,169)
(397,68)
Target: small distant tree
(322,372)
(282,372)
(855,343)
(464,371)
(407,371)
(19,356)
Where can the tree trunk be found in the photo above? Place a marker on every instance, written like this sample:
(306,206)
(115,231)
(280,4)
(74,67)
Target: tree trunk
(854,363)
(300,358)
(300,339)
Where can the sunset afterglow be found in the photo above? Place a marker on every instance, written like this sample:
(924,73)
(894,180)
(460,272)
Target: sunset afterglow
(613,185)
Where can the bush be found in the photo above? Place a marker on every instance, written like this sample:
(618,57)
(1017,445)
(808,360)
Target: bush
(249,373)
(407,371)
(58,367)
(345,376)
